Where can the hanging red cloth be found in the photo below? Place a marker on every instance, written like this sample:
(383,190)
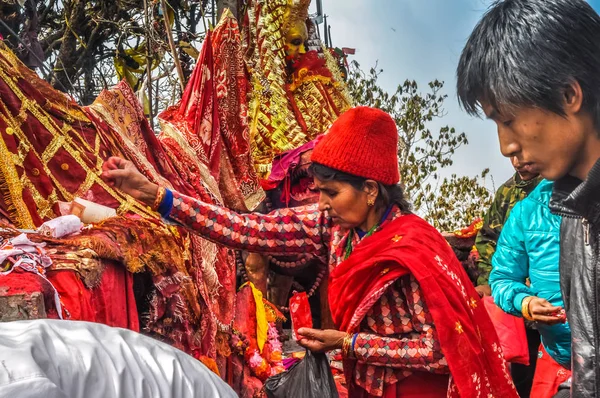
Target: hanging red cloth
(191,135)
(112,302)
(511,333)
(196,116)
(239,184)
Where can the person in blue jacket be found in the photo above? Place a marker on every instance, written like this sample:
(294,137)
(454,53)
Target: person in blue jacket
(529,248)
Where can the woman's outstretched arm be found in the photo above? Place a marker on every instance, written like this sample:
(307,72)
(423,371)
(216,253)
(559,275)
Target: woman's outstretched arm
(286,231)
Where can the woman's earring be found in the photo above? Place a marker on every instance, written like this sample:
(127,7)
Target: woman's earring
(371,202)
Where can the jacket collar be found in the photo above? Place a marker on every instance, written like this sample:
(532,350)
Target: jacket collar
(572,197)
(528,185)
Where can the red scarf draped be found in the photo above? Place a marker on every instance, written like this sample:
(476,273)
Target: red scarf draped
(409,245)
(196,116)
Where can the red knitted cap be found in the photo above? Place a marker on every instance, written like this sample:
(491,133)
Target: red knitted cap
(364,142)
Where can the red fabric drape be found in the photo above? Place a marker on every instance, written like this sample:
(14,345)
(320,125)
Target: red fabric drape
(549,375)
(113,300)
(467,336)
(238,181)
(111,303)
(196,116)
(419,385)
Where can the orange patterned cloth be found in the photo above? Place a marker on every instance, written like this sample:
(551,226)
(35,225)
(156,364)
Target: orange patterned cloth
(119,118)
(206,137)
(169,162)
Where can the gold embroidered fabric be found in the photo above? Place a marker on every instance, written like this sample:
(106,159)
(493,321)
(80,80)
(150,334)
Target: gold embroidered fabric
(139,244)
(273,127)
(44,134)
(120,110)
(52,150)
(85,262)
(187,163)
(288,107)
(297,10)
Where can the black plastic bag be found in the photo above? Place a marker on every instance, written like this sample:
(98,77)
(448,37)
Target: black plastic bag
(309,378)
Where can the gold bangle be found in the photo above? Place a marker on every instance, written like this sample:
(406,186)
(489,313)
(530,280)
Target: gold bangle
(525,308)
(160,195)
(347,346)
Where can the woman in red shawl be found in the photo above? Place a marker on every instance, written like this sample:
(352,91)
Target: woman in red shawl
(409,323)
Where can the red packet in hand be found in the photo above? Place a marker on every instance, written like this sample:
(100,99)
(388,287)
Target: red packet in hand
(560,314)
(300,313)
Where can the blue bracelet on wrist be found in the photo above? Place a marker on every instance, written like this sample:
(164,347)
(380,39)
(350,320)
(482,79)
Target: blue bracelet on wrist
(353,341)
(166,205)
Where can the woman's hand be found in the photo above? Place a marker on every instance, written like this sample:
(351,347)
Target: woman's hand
(321,340)
(542,311)
(123,174)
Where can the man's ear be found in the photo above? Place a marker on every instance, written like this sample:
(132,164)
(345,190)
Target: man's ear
(573,98)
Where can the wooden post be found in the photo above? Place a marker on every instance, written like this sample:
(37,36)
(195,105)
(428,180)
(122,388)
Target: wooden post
(163,4)
(325,33)
(214,13)
(148,63)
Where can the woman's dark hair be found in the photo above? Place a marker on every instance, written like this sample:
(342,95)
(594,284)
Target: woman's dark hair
(524,53)
(388,194)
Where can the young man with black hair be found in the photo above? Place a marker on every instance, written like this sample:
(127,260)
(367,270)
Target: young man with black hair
(533,67)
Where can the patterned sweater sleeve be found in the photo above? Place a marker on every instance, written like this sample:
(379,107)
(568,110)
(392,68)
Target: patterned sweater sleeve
(404,335)
(285,231)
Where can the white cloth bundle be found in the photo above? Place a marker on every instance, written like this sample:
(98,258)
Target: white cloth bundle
(61,226)
(90,212)
(19,245)
(67,359)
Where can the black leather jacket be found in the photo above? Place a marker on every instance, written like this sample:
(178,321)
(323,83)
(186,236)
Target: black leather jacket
(579,204)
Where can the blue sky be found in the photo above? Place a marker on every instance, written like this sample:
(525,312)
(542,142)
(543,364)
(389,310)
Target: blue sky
(422,40)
